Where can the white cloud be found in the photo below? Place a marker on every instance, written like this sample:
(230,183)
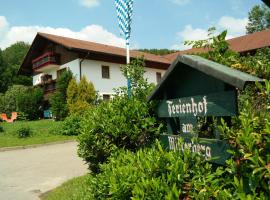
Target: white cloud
(180,2)
(3,26)
(235,26)
(89,3)
(189,33)
(93,33)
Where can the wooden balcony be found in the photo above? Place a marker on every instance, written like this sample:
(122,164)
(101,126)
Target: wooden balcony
(47,61)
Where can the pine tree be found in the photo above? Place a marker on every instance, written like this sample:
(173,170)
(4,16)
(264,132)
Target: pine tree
(72,93)
(86,91)
(80,96)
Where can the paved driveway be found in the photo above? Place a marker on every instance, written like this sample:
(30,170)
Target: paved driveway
(26,173)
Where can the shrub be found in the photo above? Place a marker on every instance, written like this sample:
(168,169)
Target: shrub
(122,122)
(24,132)
(71,125)
(58,100)
(80,96)
(8,101)
(154,173)
(250,137)
(1,129)
(30,103)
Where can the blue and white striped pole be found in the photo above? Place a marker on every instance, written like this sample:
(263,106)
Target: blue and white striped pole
(124,10)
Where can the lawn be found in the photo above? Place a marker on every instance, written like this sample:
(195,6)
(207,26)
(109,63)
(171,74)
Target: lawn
(43,131)
(74,189)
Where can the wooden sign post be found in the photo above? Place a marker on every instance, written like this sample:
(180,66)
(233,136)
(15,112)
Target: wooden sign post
(193,90)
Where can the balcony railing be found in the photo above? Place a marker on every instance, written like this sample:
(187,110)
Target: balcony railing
(49,58)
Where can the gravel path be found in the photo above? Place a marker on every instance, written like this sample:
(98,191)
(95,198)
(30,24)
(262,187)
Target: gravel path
(26,173)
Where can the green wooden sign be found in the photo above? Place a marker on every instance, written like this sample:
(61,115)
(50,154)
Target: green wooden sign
(215,104)
(188,125)
(212,150)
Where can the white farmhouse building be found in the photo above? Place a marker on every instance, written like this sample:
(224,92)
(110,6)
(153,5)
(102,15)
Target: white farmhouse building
(50,55)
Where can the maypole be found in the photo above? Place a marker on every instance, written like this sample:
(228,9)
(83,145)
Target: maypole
(124,10)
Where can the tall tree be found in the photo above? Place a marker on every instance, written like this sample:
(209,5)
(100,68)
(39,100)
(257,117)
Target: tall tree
(13,57)
(258,19)
(3,85)
(58,100)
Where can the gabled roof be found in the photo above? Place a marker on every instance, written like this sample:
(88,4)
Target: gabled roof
(82,46)
(76,44)
(241,44)
(226,74)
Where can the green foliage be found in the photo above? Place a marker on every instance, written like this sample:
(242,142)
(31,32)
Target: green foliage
(43,131)
(30,103)
(257,64)
(8,101)
(122,122)
(86,91)
(258,19)
(158,51)
(27,101)
(80,96)
(217,47)
(3,78)
(58,100)
(219,51)
(1,129)
(71,124)
(154,173)
(10,61)
(74,189)
(24,132)
(250,136)
(140,89)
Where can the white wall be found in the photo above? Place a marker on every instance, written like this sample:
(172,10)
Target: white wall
(37,78)
(92,70)
(150,74)
(74,67)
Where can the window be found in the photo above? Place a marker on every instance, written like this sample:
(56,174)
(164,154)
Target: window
(60,72)
(106,97)
(105,72)
(158,75)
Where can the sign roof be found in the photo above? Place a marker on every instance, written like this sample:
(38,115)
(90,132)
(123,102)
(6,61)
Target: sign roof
(224,73)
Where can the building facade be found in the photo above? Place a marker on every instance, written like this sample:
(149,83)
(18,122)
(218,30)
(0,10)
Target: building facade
(49,56)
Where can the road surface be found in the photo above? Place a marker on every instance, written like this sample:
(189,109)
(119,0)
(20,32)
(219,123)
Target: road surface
(26,173)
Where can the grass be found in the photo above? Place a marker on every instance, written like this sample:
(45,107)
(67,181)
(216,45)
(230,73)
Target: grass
(43,131)
(74,189)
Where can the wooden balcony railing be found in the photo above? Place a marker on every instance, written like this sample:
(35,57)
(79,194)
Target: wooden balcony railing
(46,59)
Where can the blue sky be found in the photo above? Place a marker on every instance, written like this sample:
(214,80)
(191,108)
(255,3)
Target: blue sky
(156,23)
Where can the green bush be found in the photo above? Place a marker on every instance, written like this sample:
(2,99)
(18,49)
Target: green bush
(122,122)
(24,132)
(71,125)
(250,137)
(154,173)
(30,103)
(1,129)
(58,100)
(80,96)
(8,101)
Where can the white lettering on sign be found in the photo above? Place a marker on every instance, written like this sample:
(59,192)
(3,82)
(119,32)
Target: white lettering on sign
(201,149)
(187,108)
(187,128)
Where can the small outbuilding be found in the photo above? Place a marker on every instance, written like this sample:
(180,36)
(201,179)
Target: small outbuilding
(194,94)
